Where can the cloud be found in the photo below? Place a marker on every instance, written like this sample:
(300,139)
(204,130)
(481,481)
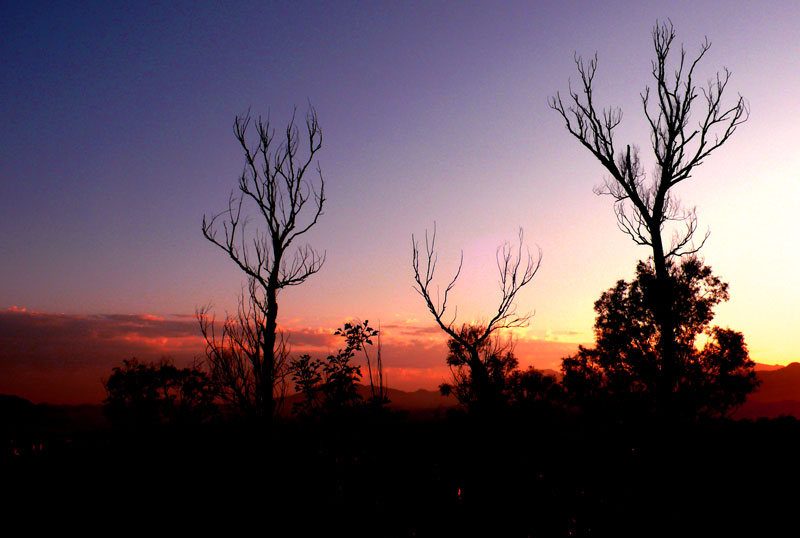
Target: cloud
(412,329)
(411,379)
(62,358)
(308,339)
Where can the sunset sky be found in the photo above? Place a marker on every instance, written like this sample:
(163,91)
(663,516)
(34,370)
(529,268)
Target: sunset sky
(117,139)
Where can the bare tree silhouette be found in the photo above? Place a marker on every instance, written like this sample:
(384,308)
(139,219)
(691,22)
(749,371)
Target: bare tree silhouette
(275,182)
(643,207)
(472,340)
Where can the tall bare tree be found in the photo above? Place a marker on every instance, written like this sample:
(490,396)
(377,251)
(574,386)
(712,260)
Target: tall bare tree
(645,205)
(275,183)
(516,267)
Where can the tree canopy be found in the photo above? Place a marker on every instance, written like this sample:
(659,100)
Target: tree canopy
(506,386)
(144,395)
(626,364)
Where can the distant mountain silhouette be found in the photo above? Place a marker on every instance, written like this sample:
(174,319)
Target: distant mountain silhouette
(421,401)
(548,371)
(18,415)
(778,394)
(768,367)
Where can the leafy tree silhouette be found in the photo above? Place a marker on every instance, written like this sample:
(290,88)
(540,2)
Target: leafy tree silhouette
(497,359)
(146,395)
(625,365)
(507,386)
(532,390)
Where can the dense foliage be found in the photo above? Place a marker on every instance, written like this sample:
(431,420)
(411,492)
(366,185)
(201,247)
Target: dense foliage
(143,395)
(626,366)
(497,362)
(507,386)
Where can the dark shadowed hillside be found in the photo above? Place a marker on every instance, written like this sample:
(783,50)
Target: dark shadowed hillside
(426,403)
(18,415)
(778,394)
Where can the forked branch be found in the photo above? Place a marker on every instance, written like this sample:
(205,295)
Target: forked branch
(516,266)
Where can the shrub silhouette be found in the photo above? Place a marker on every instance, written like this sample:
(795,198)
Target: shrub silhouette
(330,386)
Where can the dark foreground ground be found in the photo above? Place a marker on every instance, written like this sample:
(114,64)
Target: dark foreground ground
(389,475)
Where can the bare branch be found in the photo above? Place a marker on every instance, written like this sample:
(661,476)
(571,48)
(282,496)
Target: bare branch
(423,284)
(511,281)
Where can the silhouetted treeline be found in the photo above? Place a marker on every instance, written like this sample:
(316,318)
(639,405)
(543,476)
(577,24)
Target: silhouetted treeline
(142,396)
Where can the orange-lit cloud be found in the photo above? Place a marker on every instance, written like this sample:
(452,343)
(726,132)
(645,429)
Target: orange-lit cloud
(61,358)
(414,355)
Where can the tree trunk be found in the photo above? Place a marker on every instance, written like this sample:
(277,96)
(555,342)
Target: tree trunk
(666,325)
(480,380)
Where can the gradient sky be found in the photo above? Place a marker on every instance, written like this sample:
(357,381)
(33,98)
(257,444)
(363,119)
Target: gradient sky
(117,139)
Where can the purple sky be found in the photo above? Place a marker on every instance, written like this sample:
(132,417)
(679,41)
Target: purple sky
(117,140)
